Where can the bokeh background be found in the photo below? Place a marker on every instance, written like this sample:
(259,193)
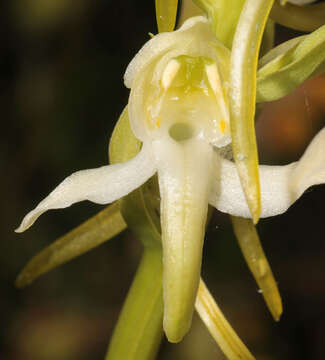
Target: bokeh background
(61,92)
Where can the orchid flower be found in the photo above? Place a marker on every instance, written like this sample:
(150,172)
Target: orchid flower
(178,109)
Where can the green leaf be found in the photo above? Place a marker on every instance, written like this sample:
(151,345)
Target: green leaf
(219,10)
(252,250)
(93,232)
(166,11)
(290,64)
(303,18)
(243,67)
(139,331)
(279,50)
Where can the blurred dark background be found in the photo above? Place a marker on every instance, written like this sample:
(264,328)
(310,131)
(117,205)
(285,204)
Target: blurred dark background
(61,92)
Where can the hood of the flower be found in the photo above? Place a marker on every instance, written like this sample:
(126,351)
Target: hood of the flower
(179,86)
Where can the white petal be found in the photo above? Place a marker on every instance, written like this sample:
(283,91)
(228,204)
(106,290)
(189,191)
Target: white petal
(184,172)
(310,170)
(102,185)
(281,186)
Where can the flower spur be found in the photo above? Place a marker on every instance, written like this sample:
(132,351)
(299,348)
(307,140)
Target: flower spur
(178,108)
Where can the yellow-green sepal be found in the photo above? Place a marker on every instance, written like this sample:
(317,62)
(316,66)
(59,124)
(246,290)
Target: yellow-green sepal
(242,95)
(219,327)
(166,11)
(252,250)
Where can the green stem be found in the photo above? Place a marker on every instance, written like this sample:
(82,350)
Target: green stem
(138,334)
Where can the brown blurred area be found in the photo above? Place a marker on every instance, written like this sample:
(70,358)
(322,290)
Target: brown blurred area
(61,91)
(285,127)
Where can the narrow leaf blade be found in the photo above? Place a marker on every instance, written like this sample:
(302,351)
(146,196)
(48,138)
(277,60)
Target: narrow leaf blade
(98,229)
(139,331)
(288,65)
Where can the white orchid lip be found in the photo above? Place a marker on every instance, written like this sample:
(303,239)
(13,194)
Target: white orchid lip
(191,174)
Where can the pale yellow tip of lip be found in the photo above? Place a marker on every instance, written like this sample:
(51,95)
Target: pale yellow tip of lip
(176,330)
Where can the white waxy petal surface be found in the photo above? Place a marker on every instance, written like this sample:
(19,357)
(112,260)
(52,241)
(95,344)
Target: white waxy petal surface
(281,186)
(193,29)
(184,173)
(102,185)
(147,69)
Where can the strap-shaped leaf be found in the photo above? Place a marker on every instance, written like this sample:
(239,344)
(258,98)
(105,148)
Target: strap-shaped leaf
(290,64)
(303,18)
(243,67)
(218,326)
(93,232)
(166,11)
(279,50)
(252,250)
(139,331)
(217,12)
